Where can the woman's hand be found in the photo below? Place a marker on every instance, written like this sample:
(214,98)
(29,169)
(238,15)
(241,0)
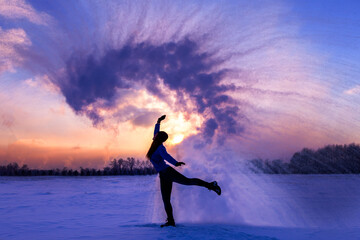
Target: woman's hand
(179,164)
(161,118)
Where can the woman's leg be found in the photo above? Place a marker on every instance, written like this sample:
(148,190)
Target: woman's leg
(179,178)
(166,186)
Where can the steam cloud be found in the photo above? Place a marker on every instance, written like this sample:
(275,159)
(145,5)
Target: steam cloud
(178,65)
(96,56)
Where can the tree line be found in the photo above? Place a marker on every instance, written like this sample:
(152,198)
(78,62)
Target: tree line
(331,159)
(129,166)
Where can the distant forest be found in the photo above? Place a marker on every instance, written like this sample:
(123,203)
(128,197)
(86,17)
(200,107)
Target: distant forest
(331,159)
(120,166)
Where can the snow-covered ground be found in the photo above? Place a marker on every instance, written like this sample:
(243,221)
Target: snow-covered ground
(130,207)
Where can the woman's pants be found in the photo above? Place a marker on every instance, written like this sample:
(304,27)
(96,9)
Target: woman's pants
(167,177)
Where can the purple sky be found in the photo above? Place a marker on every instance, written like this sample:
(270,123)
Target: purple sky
(82,82)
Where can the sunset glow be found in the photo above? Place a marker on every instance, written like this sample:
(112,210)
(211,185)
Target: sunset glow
(88,80)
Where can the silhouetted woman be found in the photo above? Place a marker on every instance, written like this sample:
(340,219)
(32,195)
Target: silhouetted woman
(157,153)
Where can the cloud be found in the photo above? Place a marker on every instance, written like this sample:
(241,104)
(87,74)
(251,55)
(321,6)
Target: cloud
(353,91)
(11,40)
(179,53)
(19,9)
(209,128)
(92,82)
(7,120)
(145,119)
(42,82)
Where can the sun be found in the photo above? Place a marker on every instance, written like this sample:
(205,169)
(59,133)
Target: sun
(177,139)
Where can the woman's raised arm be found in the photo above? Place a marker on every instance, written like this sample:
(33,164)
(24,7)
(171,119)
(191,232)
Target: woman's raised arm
(157,125)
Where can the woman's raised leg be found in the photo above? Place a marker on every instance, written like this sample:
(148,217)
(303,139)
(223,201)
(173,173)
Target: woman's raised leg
(179,178)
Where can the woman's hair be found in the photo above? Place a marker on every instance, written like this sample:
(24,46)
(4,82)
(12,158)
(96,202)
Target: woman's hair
(158,140)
